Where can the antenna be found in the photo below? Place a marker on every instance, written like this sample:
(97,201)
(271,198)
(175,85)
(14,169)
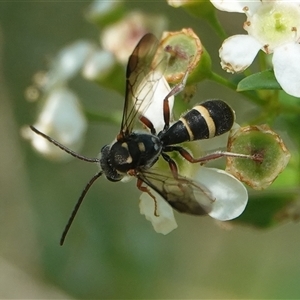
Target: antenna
(62,147)
(76,207)
(87,187)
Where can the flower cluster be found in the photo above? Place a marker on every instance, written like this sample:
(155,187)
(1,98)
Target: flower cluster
(273,27)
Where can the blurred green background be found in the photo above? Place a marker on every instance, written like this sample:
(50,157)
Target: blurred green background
(111,251)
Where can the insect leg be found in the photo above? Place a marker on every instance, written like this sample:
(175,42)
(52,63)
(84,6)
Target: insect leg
(174,169)
(75,210)
(174,91)
(204,159)
(142,188)
(172,164)
(148,124)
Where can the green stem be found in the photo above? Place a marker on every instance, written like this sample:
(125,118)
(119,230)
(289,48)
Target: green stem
(215,24)
(223,81)
(204,9)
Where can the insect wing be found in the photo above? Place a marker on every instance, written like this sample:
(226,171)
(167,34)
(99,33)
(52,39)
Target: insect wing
(182,193)
(153,92)
(142,79)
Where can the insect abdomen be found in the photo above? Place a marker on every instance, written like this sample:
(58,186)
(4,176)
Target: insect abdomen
(206,120)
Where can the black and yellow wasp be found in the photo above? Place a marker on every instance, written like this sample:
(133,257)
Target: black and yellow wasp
(135,153)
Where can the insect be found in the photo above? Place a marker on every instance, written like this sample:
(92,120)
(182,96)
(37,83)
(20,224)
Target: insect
(135,153)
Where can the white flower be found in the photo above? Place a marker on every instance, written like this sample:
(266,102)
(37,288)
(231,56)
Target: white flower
(68,63)
(62,119)
(272,26)
(229,196)
(98,65)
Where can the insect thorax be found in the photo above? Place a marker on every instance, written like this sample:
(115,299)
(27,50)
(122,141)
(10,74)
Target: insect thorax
(136,152)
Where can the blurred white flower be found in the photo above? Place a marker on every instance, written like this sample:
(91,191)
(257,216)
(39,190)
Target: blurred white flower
(68,63)
(121,37)
(178,3)
(98,65)
(62,119)
(272,26)
(100,10)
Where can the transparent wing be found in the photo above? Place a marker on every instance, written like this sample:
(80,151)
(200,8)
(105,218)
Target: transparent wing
(143,75)
(183,194)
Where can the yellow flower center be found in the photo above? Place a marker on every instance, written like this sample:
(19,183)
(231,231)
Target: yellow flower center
(274,24)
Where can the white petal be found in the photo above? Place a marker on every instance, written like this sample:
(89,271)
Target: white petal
(287,68)
(238,52)
(288,1)
(230,195)
(152,90)
(165,221)
(236,5)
